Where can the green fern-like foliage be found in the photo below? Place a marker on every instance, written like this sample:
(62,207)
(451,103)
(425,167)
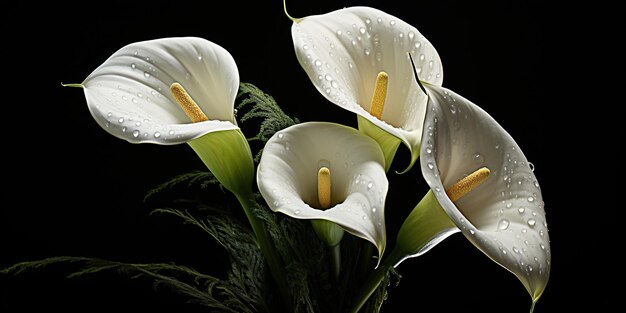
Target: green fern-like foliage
(257,105)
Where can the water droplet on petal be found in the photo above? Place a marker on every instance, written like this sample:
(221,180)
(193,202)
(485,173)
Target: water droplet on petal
(121,120)
(296,212)
(370,185)
(431,166)
(531,222)
(157,134)
(521,210)
(133,66)
(281,135)
(478,159)
(531,199)
(146,74)
(503,224)
(135,133)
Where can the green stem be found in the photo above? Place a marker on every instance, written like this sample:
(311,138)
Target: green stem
(267,248)
(374,280)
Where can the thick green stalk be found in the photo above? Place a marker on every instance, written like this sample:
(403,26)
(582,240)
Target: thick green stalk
(374,280)
(267,248)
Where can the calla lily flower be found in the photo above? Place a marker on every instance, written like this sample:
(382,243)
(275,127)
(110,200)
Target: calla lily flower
(289,169)
(481,185)
(358,58)
(172,91)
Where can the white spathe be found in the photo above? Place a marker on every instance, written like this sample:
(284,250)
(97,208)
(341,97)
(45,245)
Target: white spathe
(288,170)
(504,217)
(129,96)
(343,51)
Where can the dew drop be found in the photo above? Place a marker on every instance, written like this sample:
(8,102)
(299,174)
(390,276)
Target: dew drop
(515,249)
(418,45)
(171,132)
(422,57)
(157,134)
(296,212)
(367,51)
(339,32)
(370,185)
(503,224)
(281,135)
(532,166)
(120,120)
(472,232)
(531,199)
(133,66)
(124,129)
(364,217)
(146,74)
(431,166)
(536,184)
(373,209)
(135,133)
(521,210)
(531,222)
(318,63)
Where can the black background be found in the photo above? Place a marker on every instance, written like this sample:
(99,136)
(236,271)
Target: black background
(70,188)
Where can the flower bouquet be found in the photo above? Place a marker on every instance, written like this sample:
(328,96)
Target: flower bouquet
(300,206)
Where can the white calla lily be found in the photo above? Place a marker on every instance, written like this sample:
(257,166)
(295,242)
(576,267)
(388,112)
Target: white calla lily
(129,94)
(344,51)
(500,210)
(287,177)
(139,94)
(181,90)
